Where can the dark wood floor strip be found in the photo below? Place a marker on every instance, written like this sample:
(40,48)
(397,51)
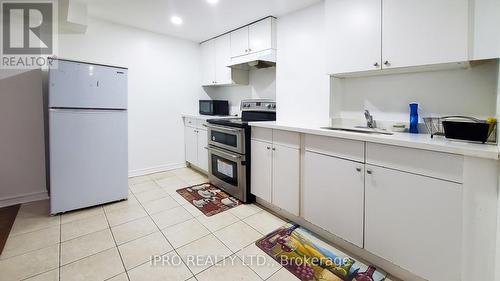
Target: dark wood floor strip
(7,217)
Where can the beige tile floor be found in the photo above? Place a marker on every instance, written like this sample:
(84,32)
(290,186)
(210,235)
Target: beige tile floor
(116,241)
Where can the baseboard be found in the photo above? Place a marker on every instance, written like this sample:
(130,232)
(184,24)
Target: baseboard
(198,169)
(157,169)
(24,198)
(497,262)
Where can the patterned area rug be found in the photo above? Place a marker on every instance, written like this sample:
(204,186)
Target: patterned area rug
(311,259)
(209,199)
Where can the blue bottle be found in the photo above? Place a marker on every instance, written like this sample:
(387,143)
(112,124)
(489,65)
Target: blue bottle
(413,118)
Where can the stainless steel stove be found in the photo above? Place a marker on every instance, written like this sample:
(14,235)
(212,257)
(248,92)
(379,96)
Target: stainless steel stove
(229,147)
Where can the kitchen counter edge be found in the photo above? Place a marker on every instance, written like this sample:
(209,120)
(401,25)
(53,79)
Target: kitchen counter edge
(206,117)
(418,141)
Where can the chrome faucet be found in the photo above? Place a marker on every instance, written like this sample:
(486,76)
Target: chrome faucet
(370,123)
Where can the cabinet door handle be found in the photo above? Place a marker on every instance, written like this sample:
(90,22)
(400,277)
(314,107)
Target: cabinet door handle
(369,171)
(268,148)
(274,148)
(387,62)
(358,169)
(375,64)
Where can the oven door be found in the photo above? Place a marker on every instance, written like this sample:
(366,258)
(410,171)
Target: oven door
(227,171)
(229,138)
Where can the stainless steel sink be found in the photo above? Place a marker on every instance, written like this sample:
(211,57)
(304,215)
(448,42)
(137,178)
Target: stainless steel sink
(361,130)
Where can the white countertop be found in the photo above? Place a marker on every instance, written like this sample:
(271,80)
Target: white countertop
(206,117)
(419,141)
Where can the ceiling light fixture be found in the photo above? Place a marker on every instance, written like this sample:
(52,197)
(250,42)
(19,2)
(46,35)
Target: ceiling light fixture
(212,2)
(176,20)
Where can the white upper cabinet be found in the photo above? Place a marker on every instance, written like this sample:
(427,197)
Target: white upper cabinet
(261,36)
(208,63)
(215,57)
(222,59)
(257,37)
(239,42)
(484,22)
(353,35)
(364,35)
(416,32)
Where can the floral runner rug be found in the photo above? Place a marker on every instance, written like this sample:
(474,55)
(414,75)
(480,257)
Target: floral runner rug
(311,259)
(209,199)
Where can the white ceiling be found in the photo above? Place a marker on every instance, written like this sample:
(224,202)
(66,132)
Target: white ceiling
(201,20)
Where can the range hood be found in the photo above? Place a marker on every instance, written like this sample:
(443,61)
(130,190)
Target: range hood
(263,59)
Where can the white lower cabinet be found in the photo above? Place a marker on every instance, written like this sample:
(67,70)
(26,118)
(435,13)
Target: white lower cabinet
(202,141)
(286,179)
(261,177)
(415,222)
(191,141)
(423,211)
(196,141)
(275,174)
(333,195)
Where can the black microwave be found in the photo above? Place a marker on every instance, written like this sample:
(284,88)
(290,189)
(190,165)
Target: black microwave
(214,107)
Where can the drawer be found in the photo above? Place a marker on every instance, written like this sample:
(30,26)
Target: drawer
(201,124)
(286,138)
(342,148)
(422,162)
(262,134)
(191,122)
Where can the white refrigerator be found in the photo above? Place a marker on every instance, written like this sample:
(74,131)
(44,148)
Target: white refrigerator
(88,147)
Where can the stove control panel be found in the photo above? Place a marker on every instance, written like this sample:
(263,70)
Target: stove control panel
(258,105)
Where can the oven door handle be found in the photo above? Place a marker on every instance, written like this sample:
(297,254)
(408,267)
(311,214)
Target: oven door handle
(223,128)
(223,153)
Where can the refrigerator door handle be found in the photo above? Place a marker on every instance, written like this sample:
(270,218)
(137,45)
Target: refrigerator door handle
(86,110)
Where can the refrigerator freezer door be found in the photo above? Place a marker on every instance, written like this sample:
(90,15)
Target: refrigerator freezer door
(88,158)
(82,85)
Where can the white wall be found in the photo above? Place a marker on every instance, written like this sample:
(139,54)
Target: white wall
(497,261)
(302,86)
(470,92)
(22,145)
(262,85)
(163,83)
(298,83)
